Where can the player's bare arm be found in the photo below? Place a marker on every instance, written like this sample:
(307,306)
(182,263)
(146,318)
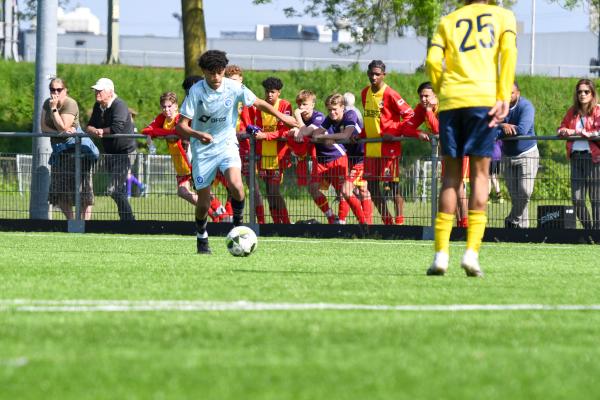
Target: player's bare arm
(266,107)
(184,130)
(344,135)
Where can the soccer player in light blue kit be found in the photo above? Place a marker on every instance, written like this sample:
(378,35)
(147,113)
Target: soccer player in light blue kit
(208,116)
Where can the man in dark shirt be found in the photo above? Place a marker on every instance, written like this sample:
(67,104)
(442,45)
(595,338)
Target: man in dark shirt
(111,117)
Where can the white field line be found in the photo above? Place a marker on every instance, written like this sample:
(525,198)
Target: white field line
(86,306)
(351,242)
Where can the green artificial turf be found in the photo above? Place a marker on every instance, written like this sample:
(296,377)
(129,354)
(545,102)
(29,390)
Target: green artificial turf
(295,354)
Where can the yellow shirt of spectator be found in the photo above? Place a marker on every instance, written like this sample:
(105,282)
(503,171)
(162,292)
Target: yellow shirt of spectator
(478,44)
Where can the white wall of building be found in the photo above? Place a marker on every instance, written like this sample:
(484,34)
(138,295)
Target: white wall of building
(557,54)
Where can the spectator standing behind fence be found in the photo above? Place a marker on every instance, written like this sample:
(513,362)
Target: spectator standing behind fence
(298,140)
(583,120)
(349,103)
(274,157)
(332,158)
(356,163)
(385,114)
(472,71)
(60,114)
(521,158)
(164,125)
(111,117)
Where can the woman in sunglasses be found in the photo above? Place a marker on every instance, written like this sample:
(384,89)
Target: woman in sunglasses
(583,121)
(60,114)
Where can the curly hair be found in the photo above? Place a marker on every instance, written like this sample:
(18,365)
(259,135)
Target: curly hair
(213,61)
(272,83)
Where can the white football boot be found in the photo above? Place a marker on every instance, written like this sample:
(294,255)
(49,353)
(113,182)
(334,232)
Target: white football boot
(439,266)
(470,263)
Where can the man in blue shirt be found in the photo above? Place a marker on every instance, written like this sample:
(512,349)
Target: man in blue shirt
(521,158)
(209,116)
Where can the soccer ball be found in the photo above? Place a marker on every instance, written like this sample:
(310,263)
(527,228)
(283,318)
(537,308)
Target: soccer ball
(241,241)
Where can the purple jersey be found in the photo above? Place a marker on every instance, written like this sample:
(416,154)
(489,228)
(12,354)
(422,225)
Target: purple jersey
(315,119)
(329,153)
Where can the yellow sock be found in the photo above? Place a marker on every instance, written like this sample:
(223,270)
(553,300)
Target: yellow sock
(443,227)
(476,229)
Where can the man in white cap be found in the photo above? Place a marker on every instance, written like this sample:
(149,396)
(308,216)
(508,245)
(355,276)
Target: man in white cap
(111,116)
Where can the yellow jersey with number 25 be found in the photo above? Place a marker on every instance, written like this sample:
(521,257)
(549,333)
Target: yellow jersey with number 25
(478,44)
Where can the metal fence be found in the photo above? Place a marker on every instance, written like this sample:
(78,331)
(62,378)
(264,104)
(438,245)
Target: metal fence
(418,183)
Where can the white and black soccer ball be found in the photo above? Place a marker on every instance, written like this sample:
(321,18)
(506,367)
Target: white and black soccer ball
(241,241)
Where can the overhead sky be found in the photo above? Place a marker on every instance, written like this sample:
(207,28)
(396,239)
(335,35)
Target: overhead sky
(150,17)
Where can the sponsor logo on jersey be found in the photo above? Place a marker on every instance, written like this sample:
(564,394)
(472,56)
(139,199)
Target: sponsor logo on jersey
(400,102)
(204,118)
(372,113)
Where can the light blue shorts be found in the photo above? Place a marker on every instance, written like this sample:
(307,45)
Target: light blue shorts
(204,168)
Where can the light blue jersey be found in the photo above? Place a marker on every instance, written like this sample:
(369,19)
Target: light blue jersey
(215,112)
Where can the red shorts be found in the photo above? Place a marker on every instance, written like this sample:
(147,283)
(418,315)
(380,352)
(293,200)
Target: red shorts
(381,169)
(182,180)
(271,175)
(355,176)
(334,172)
(302,171)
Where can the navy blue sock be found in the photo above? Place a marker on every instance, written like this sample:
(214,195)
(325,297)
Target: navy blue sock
(238,211)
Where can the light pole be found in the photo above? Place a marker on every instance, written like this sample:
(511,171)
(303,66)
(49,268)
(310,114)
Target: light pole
(532,50)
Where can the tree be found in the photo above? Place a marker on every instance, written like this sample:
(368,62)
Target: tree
(592,5)
(194,34)
(594,12)
(112,45)
(369,21)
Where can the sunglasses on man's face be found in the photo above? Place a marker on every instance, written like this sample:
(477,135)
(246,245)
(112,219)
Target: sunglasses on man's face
(586,92)
(56,90)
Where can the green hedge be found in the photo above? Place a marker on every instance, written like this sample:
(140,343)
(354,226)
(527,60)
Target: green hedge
(141,88)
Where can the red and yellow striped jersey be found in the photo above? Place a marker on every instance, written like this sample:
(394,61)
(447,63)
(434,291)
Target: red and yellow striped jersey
(386,112)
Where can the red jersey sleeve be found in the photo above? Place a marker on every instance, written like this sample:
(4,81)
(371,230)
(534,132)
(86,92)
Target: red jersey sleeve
(412,125)
(401,108)
(399,112)
(432,121)
(156,127)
